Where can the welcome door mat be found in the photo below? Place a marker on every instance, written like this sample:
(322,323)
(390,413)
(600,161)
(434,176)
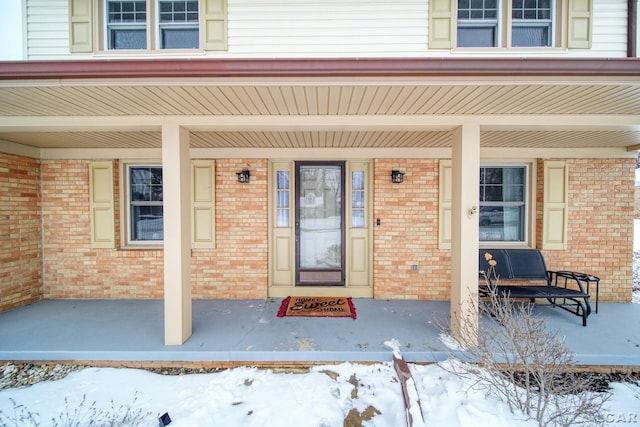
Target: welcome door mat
(317,307)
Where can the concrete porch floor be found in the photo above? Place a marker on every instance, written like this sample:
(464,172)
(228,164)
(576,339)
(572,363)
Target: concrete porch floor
(248,331)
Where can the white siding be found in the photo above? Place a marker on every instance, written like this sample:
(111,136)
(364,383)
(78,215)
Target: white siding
(609,30)
(330,28)
(47,29)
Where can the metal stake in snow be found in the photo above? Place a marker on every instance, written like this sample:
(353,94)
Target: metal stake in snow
(413,409)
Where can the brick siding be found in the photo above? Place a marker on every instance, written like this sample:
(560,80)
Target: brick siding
(600,226)
(21,231)
(72,268)
(236,268)
(408,232)
(48,202)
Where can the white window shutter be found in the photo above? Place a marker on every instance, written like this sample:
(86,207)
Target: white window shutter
(80,26)
(555,205)
(214,28)
(445,204)
(441,24)
(203,181)
(101,204)
(579,23)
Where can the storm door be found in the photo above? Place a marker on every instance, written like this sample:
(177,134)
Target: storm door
(319,223)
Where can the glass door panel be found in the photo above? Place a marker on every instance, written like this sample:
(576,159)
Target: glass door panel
(319,223)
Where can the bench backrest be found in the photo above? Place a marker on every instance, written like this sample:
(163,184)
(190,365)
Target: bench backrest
(516,264)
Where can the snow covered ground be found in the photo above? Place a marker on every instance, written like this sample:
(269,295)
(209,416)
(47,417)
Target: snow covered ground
(324,396)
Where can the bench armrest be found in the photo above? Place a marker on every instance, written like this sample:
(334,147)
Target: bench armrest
(576,276)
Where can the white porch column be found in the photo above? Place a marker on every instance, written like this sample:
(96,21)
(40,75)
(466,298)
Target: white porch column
(465,232)
(177,237)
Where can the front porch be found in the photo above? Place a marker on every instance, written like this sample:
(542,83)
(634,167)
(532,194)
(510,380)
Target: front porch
(247,332)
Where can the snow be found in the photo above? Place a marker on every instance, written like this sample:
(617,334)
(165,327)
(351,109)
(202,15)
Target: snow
(323,396)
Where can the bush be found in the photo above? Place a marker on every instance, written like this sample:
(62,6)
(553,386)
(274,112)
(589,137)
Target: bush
(80,416)
(528,366)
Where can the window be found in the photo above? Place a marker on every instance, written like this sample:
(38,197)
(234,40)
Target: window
(145,204)
(477,23)
(357,199)
(127,24)
(282,206)
(530,25)
(174,23)
(178,24)
(503,206)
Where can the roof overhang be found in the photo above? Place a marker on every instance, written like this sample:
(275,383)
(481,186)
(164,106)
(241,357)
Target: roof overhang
(322,103)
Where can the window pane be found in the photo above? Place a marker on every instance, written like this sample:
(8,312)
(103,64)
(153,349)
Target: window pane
(180,38)
(147,223)
(513,193)
(128,39)
(127,12)
(512,176)
(492,175)
(530,36)
(283,199)
(283,218)
(503,204)
(156,193)
(357,219)
(178,11)
(140,175)
(476,37)
(357,180)
(477,9)
(492,193)
(145,203)
(358,199)
(503,224)
(140,193)
(283,179)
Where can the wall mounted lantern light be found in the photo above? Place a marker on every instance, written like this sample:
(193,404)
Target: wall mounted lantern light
(244,176)
(396,176)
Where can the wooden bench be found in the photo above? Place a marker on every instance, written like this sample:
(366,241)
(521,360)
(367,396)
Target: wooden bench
(563,289)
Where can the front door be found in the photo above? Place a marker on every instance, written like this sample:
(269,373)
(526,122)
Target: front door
(319,223)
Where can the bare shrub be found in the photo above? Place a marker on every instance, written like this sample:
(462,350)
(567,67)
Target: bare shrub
(80,415)
(528,366)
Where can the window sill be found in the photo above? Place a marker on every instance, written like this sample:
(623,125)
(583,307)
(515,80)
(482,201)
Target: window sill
(143,247)
(137,53)
(509,50)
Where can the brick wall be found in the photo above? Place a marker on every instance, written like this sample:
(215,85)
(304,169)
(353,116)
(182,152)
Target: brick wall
(600,233)
(236,268)
(72,268)
(600,228)
(20,229)
(408,232)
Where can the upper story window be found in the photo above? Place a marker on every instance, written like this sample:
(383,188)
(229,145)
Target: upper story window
(173,24)
(178,24)
(531,23)
(127,24)
(477,23)
(483,23)
(503,204)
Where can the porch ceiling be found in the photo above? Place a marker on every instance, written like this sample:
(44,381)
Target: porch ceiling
(306,112)
(327,139)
